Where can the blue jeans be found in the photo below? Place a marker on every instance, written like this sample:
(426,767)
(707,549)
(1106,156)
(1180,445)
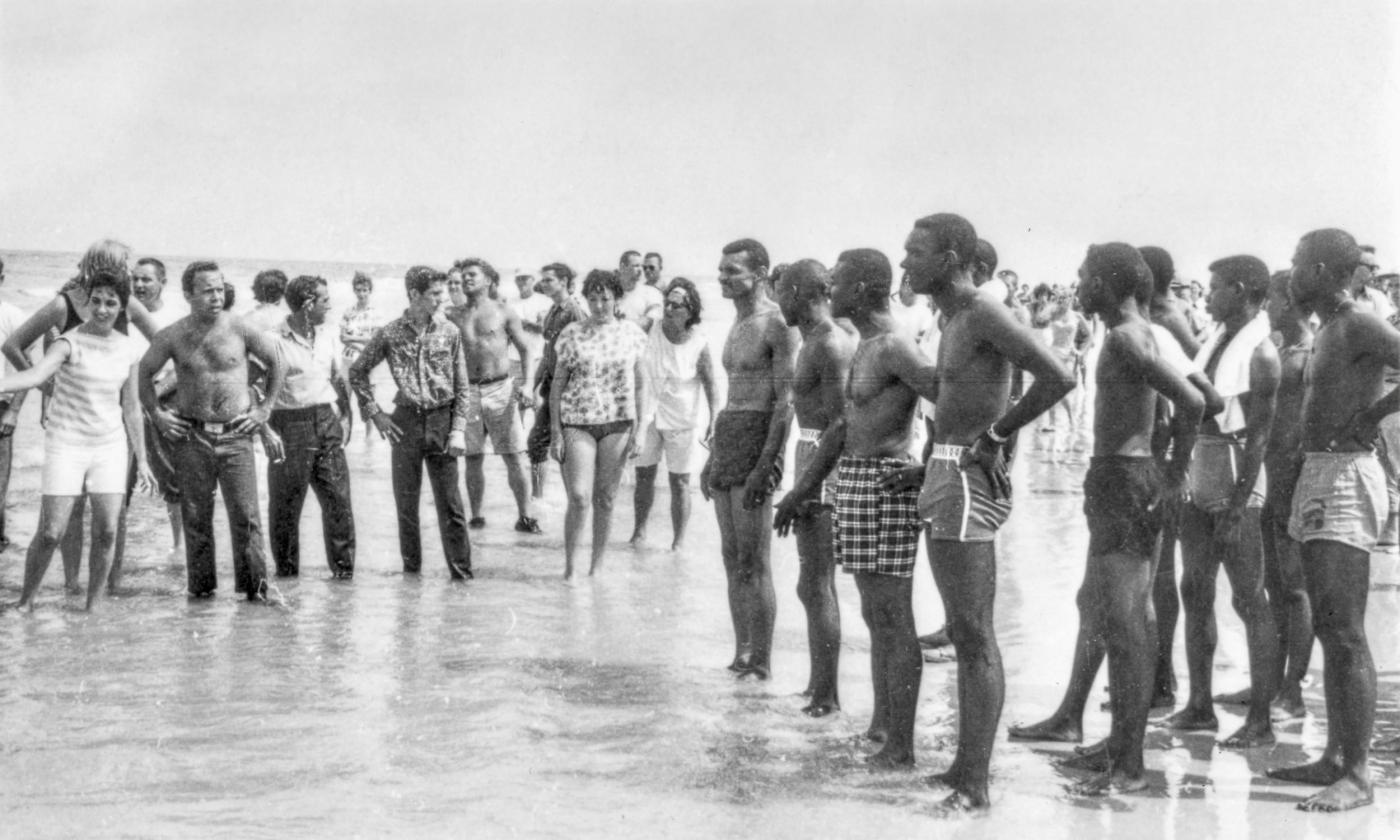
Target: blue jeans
(424,443)
(223,460)
(315,458)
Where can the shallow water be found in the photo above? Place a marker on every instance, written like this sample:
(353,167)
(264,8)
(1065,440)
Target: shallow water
(518,705)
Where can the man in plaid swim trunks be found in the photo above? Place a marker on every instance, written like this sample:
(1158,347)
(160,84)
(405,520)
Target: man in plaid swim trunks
(877,528)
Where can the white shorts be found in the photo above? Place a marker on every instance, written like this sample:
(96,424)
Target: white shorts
(74,469)
(677,444)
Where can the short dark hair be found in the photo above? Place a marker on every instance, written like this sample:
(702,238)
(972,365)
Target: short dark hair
(1159,262)
(692,298)
(269,286)
(114,280)
(563,272)
(1335,249)
(952,232)
(230,295)
(872,268)
(985,262)
(421,277)
(486,268)
(622,260)
(151,261)
(1122,269)
(600,279)
(302,289)
(807,275)
(1043,289)
(756,258)
(1249,272)
(362,279)
(195,269)
(651,254)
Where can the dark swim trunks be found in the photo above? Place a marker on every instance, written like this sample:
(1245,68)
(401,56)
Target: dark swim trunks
(1123,505)
(738,443)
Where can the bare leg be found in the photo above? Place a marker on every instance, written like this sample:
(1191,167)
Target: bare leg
(889,603)
(642,497)
(753,532)
(1199,566)
(577,469)
(476,482)
(107,512)
(1338,578)
(816,589)
(519,482)
(1066,725)
(1288,599)
(71,548)
(725,503)
(1166,604)
(966,578)
(54,517)
(1244,566)
(680,508)
(610,456)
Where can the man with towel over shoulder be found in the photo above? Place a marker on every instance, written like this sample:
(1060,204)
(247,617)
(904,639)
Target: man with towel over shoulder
(1220,524)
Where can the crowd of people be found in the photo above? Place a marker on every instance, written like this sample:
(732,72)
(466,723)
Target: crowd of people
(1256,429)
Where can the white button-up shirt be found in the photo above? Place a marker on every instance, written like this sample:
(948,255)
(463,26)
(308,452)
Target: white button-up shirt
(311,364)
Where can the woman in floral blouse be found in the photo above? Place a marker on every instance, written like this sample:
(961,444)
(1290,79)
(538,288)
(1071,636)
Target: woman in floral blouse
(595,401)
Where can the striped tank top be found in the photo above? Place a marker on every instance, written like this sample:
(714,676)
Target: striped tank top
(86,405)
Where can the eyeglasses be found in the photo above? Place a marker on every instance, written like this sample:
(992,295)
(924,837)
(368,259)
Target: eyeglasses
(651,268)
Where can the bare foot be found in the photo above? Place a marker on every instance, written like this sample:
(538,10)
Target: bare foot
(1193,720)
(740,663)
(1288,708)
(638,539)
(887,759)
(1055,729)
(1251,735)
(952,777)
(1237,698)
(1093,761)
(1324,771)
(877,734)
(1099,746)
(1108,783)
(964,801)
(678,544)
(1343,795)
(757,670)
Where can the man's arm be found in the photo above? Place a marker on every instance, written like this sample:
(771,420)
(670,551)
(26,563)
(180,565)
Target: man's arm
(1381,340)
(461,397)
(16,348)
(160,351)
(704,368)
(1019,346)
(376,350)
(1164,379)
(515,333)
(263,348)
(783,342)
(805,486)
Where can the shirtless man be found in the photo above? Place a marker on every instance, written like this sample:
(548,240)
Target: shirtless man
(1339,506)
(488,326)
(966,493)
(878,529)
(742,473)
(1283,556)
(212,423)
(818,398)
(1220,522)
(1123,494)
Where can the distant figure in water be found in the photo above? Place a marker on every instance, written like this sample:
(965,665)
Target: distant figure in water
(747,465)
(1340,505)
(819,402)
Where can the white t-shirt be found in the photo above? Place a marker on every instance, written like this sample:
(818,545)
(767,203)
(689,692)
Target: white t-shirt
(531,311)
(86,406)
(641,303)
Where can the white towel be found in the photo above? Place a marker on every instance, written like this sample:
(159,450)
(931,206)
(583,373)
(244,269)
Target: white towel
(1232,374)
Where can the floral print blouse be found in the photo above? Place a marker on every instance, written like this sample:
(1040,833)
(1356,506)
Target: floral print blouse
(602,363)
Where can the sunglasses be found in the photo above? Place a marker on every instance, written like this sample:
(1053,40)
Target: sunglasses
(671,304)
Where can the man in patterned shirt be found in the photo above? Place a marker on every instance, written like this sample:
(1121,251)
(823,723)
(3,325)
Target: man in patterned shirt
(428,424)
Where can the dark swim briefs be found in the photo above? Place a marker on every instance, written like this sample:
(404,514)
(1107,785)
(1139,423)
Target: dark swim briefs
(738,444)
(877,532)
(1123,504)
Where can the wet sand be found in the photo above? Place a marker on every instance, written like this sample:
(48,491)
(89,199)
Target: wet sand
(518,705)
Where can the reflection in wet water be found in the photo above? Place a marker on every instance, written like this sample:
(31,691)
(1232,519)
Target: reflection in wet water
(517,705)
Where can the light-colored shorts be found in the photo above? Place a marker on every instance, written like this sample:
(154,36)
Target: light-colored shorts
(678,445)
(75,469)
(494,412)
(804,454)
(1214,472)
(876,532)
(957,505)
(1388,448)
(1341,497)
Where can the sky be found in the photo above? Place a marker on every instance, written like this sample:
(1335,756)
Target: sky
(416,131)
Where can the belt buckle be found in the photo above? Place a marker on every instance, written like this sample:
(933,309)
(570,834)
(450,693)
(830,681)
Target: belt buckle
(215,428)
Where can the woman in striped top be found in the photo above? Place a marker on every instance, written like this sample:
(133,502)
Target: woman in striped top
(93,416)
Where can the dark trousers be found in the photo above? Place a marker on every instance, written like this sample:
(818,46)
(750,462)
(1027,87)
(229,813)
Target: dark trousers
(207,460)
(315,457)
(7,451)
(424,443)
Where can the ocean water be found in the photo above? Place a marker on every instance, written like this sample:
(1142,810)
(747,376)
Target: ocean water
(519,706)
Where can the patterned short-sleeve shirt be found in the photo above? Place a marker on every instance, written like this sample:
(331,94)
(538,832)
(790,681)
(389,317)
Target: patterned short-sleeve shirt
(602,364)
